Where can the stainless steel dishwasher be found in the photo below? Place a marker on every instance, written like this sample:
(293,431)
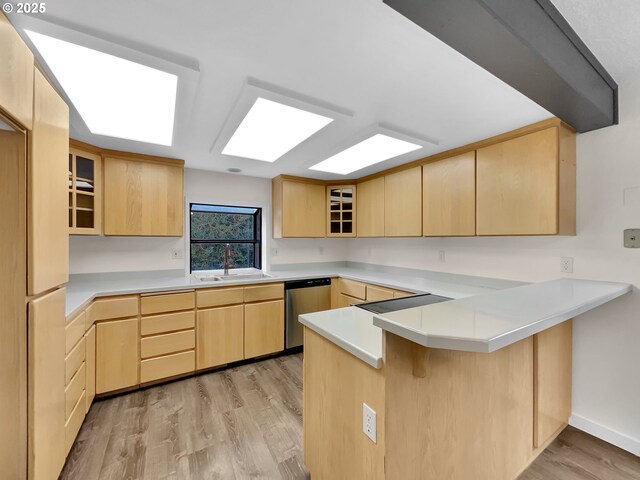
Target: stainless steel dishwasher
(303,296)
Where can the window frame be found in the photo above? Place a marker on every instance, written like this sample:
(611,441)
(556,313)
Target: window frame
(257,233)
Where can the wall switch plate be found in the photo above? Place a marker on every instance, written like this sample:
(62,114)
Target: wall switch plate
(632,238)
(441,256)
(369,425)
(566,264)
(177,253)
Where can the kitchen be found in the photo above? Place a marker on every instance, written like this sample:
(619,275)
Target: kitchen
(138,357)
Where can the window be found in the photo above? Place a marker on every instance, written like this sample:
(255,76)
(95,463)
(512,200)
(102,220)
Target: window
(213,226)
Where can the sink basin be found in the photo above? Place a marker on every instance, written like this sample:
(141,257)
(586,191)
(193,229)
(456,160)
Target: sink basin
(234,277)
(243,276)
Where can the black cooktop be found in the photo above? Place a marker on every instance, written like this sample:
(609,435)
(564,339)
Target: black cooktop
(394,304)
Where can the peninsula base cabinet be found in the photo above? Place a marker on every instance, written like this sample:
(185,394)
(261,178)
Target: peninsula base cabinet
(441,413)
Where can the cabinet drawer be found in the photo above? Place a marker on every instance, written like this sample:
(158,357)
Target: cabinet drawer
(74,390)
(72,426)
(353,289)
(376,294)
(259,293)
(400,293)
(74,361)
(112,308)
(74,331)
(169,322)
(167,343)
(167,366)
(169,302)
(220,296)
(347,301)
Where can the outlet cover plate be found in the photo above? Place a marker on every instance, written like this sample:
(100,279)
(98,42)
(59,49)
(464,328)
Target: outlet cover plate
(632,238)
(369,422)
(566,264)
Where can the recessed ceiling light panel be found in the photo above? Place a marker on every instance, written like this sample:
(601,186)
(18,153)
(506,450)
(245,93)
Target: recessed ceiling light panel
(271,129)
(115,97)
(375,149)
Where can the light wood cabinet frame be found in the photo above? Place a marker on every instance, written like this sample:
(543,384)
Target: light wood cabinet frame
(75,193)
(341,221)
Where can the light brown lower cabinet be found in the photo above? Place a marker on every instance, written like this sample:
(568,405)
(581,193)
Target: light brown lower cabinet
(116,355)
(46,385)
(220,336)
(263,328)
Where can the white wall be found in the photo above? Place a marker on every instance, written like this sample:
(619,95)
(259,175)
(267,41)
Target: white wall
(606,369)
(126,254)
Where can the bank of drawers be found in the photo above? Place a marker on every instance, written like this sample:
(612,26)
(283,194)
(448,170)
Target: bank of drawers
(168,338)
(77,376)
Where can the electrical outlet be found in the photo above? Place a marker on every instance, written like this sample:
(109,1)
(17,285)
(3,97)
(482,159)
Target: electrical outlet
(274,252)
(566,264)
(369,426)
(441,256)
(177,253)
(321,250)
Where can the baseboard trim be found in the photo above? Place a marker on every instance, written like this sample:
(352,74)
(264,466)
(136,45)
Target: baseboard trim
(618,439)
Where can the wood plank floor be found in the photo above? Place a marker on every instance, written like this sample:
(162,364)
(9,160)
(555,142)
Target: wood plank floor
(246,422)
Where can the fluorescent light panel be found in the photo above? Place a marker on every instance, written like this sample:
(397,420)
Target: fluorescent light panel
(375,149)
(114,96)
(271,129)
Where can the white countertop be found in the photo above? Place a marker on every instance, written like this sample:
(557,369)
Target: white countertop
(350,328)
(488,322)
(82,288)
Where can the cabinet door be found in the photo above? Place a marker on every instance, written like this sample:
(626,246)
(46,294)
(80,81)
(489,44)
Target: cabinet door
(370,208)
(13,314)
(403,203)
(117,355)
(46,385)
(220,336)
(85,193)
(16,74)
(449,196)
(48,214)
(341,211)
(517,184)
(143,198)
(90,360)
(303,209)
(263,328)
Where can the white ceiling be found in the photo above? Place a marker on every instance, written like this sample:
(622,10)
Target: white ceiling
(356,55)
(611,30)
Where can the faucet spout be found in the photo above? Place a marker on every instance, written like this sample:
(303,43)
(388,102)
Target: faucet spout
(227,259)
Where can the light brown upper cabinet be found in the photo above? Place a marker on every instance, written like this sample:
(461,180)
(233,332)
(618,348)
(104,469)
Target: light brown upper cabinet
(449,196)
(298,208)
(85,192)
(526,185)
(143,197)
(370,208)
(341,211)
(403,203)
(48,235)
(16,74)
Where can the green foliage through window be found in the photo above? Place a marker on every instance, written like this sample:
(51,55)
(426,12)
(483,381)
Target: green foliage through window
(215,226)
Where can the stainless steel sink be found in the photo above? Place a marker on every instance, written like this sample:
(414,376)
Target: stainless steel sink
(243,276)
(234,277)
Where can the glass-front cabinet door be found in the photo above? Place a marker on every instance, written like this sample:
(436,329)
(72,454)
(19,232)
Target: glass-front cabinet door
(341,213)
(85,193)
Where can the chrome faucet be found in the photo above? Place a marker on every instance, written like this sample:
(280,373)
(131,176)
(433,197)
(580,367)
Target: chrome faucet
(227,259)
